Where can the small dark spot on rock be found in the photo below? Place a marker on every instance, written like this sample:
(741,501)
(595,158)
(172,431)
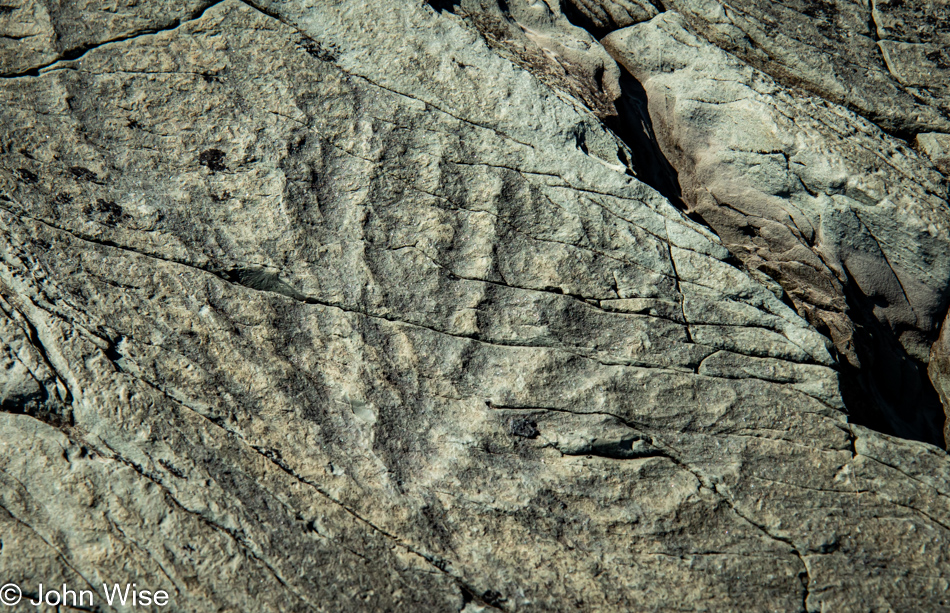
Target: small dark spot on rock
(225,195)
(321,52)
(26,154)
(524,428)
(446,6)
(112,351)
(314,178)
(271,454)
(6,10)
(213,159)
(84,174)
(940,58)
(172,469)
(493,598)
(826,548)
(62,198)
(133,124)
(110,212)
(26,176)
(104,206)
(296,145)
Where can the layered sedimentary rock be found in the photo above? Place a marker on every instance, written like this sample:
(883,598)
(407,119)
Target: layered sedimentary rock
(339,307)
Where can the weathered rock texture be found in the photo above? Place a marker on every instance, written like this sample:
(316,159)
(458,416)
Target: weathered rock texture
(939,370)
(851,222)
(36,33)
(335,307)
(599,15)
(539,38)
(887,60)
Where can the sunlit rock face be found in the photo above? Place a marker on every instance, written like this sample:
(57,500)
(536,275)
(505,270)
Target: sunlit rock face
(364,306)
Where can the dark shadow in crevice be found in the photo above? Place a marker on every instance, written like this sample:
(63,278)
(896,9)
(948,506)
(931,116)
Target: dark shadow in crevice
(891,392)
(633,126)
(39,405)
(443,6)
(579,19)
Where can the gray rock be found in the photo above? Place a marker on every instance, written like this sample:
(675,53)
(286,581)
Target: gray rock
(537,36)
(937,148)
(36,33)
(611,14)
(852,223)
(345,311)
(884,60)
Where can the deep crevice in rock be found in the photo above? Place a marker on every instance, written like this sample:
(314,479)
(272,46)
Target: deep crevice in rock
(443,6)
(41,406)
(891,391)
(634,127)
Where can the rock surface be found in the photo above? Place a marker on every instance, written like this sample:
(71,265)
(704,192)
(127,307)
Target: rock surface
(37,33)
(937,147)
(851,222)
(600,15)
(339,307)
(887,60)
(939,370)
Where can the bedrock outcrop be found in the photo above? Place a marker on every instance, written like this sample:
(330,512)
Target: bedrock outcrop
(852,222)
(340,306)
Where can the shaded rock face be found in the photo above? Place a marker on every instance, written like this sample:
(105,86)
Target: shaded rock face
(939,370)
(341,307)
(853,223)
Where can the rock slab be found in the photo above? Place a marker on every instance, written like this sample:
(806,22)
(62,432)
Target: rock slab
(336,307)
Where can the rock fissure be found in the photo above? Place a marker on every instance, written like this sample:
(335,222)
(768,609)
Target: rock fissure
(246,278)
(77,53)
